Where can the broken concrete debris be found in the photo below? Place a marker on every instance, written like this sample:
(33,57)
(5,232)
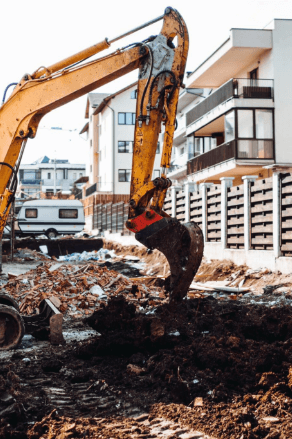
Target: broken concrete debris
(75,290)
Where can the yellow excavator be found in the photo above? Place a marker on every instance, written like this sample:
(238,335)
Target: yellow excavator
(161,62)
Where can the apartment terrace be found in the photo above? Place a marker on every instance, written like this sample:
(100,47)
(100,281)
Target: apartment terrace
(239,117)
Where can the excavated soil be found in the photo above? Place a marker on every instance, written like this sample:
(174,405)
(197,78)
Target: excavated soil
(208,368)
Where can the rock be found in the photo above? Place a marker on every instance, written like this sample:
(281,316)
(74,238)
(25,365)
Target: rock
(157,329)
(134,369)
(198,402)
(268,379)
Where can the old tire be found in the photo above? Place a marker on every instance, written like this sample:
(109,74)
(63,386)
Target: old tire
(5,299)
(51,233)
(11,328)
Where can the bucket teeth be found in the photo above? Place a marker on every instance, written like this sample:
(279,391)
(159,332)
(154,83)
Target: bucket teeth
(182,245)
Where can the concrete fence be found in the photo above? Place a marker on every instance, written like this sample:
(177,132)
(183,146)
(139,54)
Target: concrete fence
(250,223)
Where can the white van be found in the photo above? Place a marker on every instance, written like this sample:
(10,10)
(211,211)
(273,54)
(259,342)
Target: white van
(51,217)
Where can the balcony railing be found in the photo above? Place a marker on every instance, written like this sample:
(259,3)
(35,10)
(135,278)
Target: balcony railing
(78,195)
(235,149)
(90,190)
(234,88)
(27,182)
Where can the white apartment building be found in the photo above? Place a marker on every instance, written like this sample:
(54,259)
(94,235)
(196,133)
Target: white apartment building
(241,125)
(110,132)
(48,176)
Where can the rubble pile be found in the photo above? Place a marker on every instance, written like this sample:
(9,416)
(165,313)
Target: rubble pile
(75,290)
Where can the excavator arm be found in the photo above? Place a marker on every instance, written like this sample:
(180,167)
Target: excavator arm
(161,62)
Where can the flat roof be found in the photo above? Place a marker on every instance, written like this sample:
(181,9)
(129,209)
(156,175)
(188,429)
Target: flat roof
(243,47)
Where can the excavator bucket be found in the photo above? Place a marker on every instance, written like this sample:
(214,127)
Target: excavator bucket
(182,245)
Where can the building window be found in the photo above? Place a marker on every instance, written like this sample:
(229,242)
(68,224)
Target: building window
(31,213)
(49,191)
(158,148)
(126,118)
(68,213)
(21,174)
(125,147)
(65,173)
(182,150)
(90,142)
(229,121)
(156,173)
(49,176)
(245,124)
(134,94)
(264,124)
(124,175)
(90,168)
(74,175)
(80,174)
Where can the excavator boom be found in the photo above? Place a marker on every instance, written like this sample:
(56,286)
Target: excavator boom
(161,62)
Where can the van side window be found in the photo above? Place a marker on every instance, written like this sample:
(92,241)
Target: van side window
(31,213)
(68,213)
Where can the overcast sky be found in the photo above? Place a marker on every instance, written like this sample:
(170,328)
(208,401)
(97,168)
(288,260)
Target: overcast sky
(40,33)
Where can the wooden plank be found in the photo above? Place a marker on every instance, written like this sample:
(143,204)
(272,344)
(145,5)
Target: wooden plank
(261,240)
(235,230)
(287,235)
(234,212)
(286,212)
(287,189)
(261,186)
(287,247)
(214,217)
(287,201)
(255,219)
(234,221)
(196,211)
(287,179)
(262,229)
(214,235)
(195,197)
(194,204)
(262,208)
(235,202)
(235,240)
(213,226)
(287,224)
(214,209)
(235,190)
(257,198)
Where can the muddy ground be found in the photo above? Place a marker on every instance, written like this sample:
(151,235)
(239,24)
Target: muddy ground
(210,367)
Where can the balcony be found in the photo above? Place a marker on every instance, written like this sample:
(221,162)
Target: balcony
(235,149)
(30,182)
(238,88)
(90,190)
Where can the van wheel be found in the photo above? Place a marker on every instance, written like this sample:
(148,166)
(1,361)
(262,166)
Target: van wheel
(51,233)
